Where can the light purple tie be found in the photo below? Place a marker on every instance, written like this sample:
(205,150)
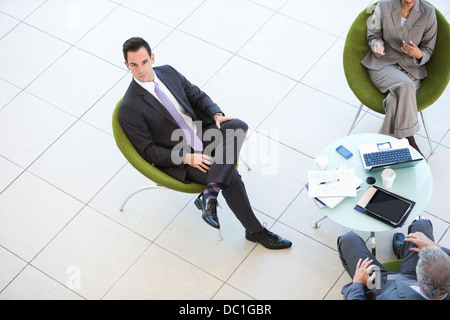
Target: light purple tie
(191,137)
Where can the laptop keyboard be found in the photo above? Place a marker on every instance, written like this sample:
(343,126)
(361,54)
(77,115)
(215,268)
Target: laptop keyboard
(387,157)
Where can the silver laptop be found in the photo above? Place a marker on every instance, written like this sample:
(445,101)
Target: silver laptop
(395,154)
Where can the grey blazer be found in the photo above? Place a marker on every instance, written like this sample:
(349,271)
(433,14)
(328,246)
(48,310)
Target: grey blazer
(384,27)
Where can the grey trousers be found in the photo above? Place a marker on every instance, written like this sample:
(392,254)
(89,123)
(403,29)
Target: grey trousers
(400,104)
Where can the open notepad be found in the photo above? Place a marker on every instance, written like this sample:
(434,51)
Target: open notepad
(332,183)
(348,178)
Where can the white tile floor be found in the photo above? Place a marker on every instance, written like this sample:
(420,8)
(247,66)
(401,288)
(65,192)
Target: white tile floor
(275,63)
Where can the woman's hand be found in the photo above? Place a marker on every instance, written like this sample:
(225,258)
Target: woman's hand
(412,50)
(379,50)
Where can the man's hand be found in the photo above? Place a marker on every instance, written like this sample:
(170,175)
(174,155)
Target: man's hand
(219,118)
(420,240)
(200,161)
(412,50)
(362,272)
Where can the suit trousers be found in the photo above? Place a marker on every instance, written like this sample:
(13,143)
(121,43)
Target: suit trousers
(224,149)
(400,105)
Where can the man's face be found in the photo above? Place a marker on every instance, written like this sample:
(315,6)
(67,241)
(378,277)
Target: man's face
(140,64)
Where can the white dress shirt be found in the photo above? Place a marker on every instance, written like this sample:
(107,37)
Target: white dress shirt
(150,87)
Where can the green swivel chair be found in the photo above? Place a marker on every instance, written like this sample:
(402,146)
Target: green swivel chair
(160,179)
(356,47)
(394,265)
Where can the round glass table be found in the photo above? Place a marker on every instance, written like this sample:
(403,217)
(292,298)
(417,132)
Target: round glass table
(414,183)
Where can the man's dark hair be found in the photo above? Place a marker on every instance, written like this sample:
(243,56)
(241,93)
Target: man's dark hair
(133,45)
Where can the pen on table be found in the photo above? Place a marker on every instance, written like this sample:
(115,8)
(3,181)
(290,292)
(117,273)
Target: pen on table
(323,182)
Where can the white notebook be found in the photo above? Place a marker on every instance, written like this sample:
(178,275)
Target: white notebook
(331,183)
(331,202)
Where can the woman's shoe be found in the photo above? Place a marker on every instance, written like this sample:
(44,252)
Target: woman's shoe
(412,143)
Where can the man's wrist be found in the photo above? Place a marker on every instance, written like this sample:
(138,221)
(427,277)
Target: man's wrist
(358,280)
(217,114)
(187,158)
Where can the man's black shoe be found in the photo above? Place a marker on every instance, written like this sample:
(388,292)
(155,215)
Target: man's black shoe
(268,239)
(209,210)
(397,243)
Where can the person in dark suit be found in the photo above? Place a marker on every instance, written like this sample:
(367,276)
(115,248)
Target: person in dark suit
(178,128)
(402,37)
(424,272)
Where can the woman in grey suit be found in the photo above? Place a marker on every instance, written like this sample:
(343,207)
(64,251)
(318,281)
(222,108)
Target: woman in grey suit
(402,37)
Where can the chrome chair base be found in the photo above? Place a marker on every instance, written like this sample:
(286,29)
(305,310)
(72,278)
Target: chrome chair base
(148,188)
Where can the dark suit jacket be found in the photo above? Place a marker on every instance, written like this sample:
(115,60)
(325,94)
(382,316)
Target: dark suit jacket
(385,27)
(149,126)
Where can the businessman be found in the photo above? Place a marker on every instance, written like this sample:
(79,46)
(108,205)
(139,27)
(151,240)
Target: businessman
(178,128)
(424,272)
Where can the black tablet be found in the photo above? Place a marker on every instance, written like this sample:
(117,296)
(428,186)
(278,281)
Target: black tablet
(385,205)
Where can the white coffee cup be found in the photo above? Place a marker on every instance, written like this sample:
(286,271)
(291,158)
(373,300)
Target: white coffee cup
(322,162)
(388,176)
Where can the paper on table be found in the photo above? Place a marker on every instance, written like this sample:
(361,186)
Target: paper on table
(331,202)
(332,183)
